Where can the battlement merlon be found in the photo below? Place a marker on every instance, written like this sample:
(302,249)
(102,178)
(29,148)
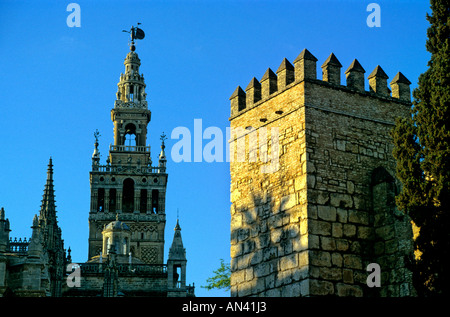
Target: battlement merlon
(304,69)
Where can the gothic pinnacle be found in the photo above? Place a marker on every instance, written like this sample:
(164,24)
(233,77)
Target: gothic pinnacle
(50,169)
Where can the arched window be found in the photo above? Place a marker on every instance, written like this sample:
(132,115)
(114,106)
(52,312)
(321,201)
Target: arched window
(130,135)
(131,91)
(128,195)
(112,200)
(155,198)
(130,140)
(101,200)
(176,275)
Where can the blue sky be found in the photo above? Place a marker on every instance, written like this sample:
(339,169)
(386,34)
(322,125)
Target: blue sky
(58,85)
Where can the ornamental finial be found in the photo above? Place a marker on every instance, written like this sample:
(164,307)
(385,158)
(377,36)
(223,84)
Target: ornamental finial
(163,137)
(96,135)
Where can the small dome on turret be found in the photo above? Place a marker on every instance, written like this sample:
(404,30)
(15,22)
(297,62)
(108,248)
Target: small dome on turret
(132,57)
(117,225)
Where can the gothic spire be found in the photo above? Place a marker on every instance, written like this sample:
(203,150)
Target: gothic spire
(48,224)
(50,234)
(48,207)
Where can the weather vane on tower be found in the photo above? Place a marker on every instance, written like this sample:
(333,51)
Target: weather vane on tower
(96,135)
(136,34)
(163,138)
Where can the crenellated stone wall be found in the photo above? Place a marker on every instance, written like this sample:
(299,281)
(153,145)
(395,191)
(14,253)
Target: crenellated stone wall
(311,226)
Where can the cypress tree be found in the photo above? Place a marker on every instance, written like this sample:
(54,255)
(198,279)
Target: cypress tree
(422,150)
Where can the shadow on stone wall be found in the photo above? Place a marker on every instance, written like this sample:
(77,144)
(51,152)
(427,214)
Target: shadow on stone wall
(266,243)
(272,256)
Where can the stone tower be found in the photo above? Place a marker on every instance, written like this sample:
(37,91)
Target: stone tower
(312,183)
(127,216)
(128,185)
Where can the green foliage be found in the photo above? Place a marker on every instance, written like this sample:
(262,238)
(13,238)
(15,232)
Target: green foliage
(422,150)
(221,279)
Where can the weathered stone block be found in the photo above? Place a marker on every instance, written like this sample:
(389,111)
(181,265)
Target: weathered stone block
(365,233)
(321,288)
(360,202)
(274,292)
(350,187)
(341,200)
(249,216)
(328,243)
(360,217)
(270,253)
(342,244)
(288,262)
(263,240)
(261,269)
(300,183)
(318,196)
(349,230)
(300,244)
(258,286)
(347,276)
(336,230)
(352,261)
(330,273)
(249,273)
(276,234)
(245,289)
(249,246)
(269,281)
(348,290)
(327,213)
(287,202)
(336,259)
(319,227)
(301,273)
(235,250)
(320,258)
(236,220)
(313,242)
(257,257)
(342,215)
(283,278)
(238,277)
(243,234)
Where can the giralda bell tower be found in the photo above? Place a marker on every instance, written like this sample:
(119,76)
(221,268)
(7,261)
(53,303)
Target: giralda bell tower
(128,187)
